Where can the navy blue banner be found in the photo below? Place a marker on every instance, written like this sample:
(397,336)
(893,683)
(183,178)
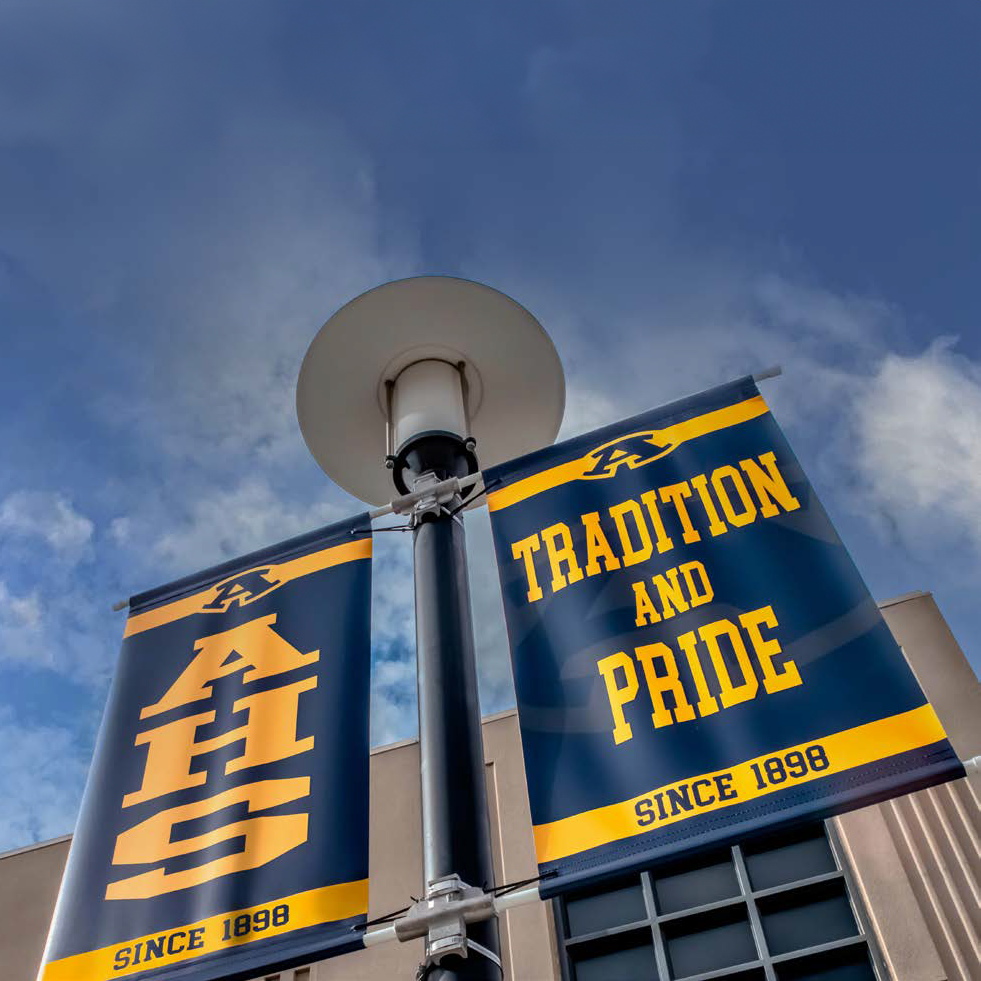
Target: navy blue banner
(224,827)
(695,656)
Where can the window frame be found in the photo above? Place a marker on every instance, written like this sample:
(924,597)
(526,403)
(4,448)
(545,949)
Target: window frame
(766,964)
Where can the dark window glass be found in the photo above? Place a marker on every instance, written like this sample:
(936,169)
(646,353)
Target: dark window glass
(851,964)
(601,910)
(628,963)
(710,878)
(709,941)
(775,862)
(812,916)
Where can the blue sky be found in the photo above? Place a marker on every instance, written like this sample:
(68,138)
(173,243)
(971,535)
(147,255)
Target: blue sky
(681,192)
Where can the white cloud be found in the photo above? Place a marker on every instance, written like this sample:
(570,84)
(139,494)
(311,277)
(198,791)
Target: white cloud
(227,522)
(802,309)
(19,611)
(59,626)
(392,591)
(393,700)
(585,409)
(121,529)
(918,421)
(42,775)
(490,631)
(393,678)
(48,516)
(21,628)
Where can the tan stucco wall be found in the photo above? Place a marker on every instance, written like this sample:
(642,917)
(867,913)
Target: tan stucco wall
(29,880)
(916,859)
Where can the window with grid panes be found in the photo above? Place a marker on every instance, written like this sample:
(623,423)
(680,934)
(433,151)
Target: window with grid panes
(774,909)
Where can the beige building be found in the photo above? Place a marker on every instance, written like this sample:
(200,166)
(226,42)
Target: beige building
(890,891)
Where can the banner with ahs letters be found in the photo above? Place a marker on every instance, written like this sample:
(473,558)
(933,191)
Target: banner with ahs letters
(224,827)
(695,656)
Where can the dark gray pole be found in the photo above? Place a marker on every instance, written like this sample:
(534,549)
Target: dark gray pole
(455,828)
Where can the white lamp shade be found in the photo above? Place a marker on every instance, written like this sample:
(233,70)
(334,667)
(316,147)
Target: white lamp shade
(516,388)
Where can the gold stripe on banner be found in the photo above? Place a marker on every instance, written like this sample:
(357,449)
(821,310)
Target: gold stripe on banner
(837,753)
(672,437)
(305,909)
(280,574)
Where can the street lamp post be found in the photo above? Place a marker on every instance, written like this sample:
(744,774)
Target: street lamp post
(402,389)
(455,829)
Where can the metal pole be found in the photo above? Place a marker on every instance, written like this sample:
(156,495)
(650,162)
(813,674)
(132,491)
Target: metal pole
(455,827)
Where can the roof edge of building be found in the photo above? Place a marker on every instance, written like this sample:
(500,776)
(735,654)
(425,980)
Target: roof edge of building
(904,597)
(36,846)
(484,719)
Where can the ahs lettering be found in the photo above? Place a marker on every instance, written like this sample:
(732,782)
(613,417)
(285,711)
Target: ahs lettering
(174,762)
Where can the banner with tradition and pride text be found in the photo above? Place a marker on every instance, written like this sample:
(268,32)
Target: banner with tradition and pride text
(224,826)
(695,656)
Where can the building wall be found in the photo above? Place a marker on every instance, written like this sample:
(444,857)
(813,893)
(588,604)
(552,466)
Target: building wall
(29,880)
(914,860)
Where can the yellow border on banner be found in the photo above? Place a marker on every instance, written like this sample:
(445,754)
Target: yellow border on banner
(673,436)
(307,909)
(845,750)
(285,572)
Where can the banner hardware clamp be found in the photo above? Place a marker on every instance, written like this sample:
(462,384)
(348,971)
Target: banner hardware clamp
(406,503)
(437,911)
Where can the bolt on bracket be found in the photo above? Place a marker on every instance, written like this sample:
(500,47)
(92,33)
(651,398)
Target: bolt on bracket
(432,494)
(442,918)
